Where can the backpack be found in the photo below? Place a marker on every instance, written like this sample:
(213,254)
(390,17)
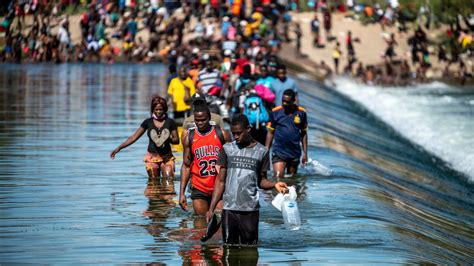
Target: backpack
(255,111)
(265,93)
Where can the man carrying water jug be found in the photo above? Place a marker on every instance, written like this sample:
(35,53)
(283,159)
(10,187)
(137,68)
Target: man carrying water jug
(243,168)
(287,128)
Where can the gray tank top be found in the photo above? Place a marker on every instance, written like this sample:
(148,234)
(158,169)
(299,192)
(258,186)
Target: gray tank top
(243,168)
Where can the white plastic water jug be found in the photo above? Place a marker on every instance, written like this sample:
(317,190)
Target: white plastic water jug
(289,209)
(319,168)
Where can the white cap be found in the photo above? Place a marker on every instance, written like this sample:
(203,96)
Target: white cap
(227,52)
(195,50)
(162,11)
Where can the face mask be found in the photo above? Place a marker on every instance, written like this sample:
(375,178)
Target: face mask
(160,118)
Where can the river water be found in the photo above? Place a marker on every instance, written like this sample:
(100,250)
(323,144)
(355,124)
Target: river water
(63,200)
(436,116)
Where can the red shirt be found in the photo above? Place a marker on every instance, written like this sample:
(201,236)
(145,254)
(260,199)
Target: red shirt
(205,150)
(240,62)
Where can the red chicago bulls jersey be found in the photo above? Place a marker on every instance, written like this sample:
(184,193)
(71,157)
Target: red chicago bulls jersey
(205,150)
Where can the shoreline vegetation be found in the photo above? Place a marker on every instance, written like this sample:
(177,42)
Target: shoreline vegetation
(394,44)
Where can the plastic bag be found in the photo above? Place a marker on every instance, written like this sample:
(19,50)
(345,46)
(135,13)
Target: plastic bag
(289,209)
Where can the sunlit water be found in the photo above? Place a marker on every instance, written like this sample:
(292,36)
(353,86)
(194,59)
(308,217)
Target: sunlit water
(63,200)
(436,116)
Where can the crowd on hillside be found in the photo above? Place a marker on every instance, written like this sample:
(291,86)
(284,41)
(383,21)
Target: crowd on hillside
(453,50)
(128,31)
(168,31)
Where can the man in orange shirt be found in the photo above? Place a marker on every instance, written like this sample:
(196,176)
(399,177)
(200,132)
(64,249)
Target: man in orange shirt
(201,146)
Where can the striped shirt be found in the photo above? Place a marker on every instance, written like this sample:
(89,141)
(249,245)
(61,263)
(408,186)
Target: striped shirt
(208,79)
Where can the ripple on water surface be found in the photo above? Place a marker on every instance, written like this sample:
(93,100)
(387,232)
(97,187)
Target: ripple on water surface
(63,200)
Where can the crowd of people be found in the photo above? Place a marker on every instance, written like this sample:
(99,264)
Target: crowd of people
(174,32)
(226,70)
(453,47)
(400,71)
(225,174)
(38,31)
(232,74)
(223,67)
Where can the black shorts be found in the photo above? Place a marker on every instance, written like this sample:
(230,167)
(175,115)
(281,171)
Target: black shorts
(198,194)
(289,162)
(240,228)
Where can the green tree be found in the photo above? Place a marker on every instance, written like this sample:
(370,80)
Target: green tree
(448,11)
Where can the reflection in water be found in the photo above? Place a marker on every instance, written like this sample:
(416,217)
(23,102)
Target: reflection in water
(160,193)
(201,254)
(240,255)
(218,255)
(161,188)
(161,196)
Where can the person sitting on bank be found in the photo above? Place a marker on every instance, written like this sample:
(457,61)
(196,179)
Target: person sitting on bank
(243,168)
(287,128)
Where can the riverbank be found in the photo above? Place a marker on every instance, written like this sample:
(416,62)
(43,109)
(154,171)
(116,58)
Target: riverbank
(369,42)
(370,46)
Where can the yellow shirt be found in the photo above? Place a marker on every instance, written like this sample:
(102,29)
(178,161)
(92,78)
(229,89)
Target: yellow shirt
(466,41)
(176,91)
